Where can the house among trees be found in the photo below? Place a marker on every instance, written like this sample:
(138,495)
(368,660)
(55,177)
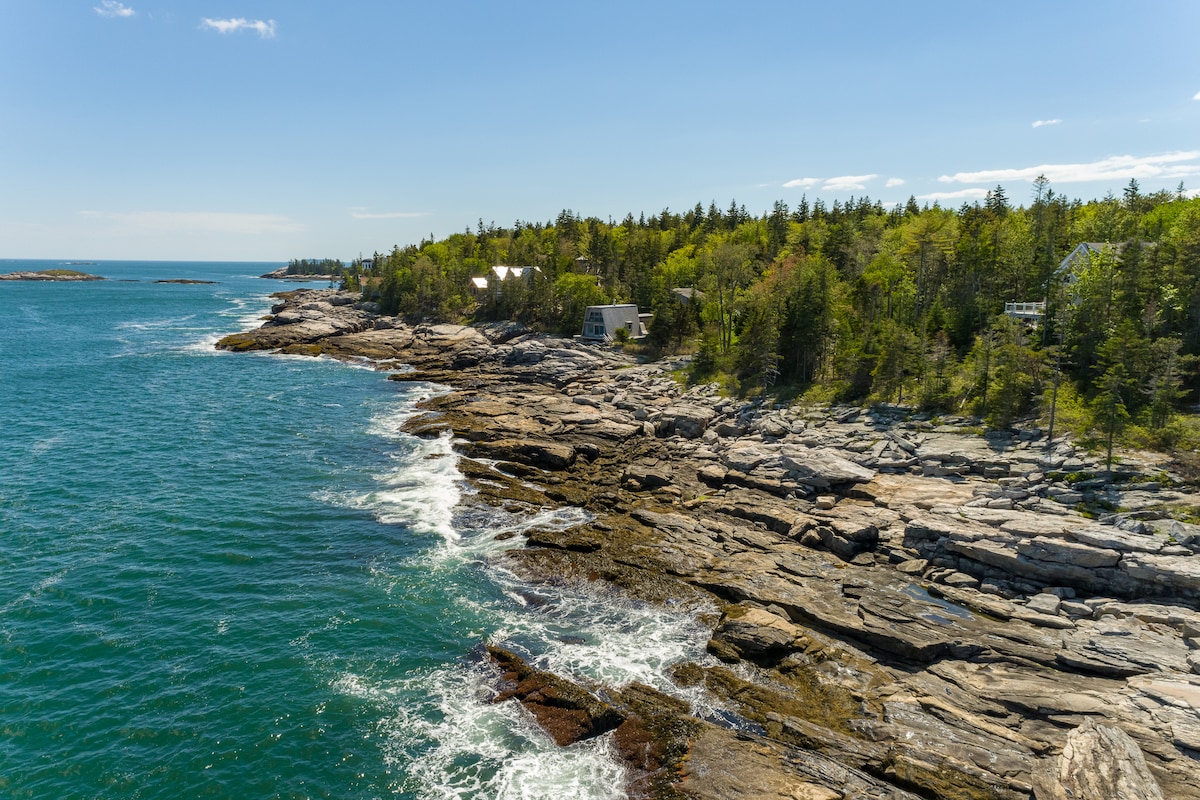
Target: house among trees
(1066,273)
(1032,312)
(601,323)
(687,295)
(497,277)
(1069,267)
(1080,255)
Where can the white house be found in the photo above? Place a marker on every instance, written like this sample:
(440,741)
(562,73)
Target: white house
(1031,311)
(499,274)
(601,323)
(504,273)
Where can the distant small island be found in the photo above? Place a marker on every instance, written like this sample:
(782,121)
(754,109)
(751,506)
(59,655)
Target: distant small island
(183,280)
(50,275)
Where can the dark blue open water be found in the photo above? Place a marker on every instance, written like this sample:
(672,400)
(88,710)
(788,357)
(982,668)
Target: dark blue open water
(232,576)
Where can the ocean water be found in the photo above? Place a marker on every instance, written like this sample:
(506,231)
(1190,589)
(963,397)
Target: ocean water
(231,575)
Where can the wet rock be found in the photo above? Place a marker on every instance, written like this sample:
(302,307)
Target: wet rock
(567,712)
(547,455)
(726,765)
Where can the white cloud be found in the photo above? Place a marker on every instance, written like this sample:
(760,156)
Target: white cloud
(848,183)
(961,194)
(1196,96)
(1167,166)
(1041,123)
(111,8)
(362,213)
(802,183)
(265,29)
(892,183)
(197,222)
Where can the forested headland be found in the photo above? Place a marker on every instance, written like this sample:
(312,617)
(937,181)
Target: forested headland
(307,266)
(860,302)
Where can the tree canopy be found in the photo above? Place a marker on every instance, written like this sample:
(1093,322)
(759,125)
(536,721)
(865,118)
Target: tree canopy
(896,304)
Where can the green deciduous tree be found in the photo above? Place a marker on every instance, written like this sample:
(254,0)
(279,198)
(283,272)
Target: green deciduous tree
(726,271)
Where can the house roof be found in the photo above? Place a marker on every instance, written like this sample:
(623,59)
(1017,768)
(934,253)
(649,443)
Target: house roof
(1085,250)
(504,272)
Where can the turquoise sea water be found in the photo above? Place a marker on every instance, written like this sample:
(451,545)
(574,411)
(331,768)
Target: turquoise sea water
(230,575)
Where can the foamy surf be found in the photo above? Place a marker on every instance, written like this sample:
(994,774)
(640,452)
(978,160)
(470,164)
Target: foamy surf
(246,312)
(439,729)
(442,731)
(453,744)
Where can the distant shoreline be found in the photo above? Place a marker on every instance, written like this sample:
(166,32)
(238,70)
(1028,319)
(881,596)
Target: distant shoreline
(60,275)
(282,274)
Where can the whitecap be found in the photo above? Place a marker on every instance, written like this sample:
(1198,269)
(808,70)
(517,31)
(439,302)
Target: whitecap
(48,443)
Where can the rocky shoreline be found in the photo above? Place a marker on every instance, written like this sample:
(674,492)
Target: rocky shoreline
(906,607)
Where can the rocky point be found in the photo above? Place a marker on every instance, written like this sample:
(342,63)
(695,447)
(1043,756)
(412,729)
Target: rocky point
(904,607)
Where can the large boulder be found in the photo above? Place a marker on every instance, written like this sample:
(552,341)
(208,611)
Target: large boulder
(821,468)
(755,630)
(686,420)
(1098,762)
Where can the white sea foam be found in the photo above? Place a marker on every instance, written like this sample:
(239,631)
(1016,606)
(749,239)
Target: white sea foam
(423,495)
(154,324)
(452,743)
(205,345)
(439,727)
(422,486)
(486,531)
(35,591)
(600,636)
(440,731)
(247,312)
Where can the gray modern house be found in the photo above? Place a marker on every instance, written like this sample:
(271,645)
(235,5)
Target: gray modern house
(601,323)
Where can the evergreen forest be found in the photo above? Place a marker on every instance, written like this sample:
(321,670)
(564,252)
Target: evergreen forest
(309,266)
(858,302)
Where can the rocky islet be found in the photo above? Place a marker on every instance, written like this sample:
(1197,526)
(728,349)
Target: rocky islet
(55,275)
(906,607)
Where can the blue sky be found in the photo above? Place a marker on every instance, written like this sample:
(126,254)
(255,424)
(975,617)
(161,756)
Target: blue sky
(278,129)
